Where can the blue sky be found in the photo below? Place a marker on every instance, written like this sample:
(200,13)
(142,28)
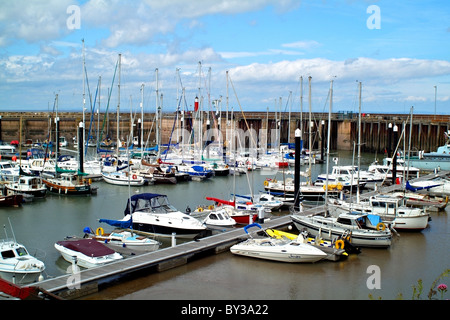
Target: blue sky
(265,45)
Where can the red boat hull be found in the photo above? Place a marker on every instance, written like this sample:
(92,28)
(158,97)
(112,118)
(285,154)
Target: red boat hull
(244,218)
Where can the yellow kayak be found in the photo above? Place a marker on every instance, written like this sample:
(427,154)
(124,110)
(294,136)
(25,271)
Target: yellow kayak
(280,234)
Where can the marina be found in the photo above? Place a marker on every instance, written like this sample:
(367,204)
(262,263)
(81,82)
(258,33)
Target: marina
(76,212)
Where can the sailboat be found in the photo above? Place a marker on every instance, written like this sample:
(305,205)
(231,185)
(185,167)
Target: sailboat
(69,183)
(362,229)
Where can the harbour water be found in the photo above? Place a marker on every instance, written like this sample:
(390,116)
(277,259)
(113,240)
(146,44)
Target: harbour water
(412,256)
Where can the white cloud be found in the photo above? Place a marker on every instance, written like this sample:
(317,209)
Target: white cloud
(414,98)
(33,21)
(301,44)
(387,70)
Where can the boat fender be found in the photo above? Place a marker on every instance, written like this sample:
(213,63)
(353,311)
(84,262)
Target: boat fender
(381,226)
(339,244)
(99,231)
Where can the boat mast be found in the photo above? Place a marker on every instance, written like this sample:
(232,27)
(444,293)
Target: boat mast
(118,107)
(98,110)
(142,122)
(309,130)
(157,113)
(359,144)
(328,144)
(84,96)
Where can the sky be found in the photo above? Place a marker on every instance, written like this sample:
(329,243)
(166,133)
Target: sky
(249,55)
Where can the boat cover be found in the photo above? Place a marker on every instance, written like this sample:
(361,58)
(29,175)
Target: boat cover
(88,247)
(144,201)
(124,224)
(231,203)
(414,189)
(374,219)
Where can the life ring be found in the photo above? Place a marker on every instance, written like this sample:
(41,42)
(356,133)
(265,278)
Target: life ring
(339,244)
(200,209)
(210,207)
(134,177)
(99,231)
(266,183)
(381,226)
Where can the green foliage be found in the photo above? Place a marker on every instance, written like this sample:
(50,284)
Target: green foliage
(437,291)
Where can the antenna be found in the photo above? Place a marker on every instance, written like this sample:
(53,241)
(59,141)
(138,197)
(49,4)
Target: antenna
(12,230)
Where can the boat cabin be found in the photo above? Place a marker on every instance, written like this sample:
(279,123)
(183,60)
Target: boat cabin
(149,202)
(358,221)
(9,249)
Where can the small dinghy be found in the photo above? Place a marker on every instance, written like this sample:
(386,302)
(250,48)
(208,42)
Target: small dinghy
(283,250)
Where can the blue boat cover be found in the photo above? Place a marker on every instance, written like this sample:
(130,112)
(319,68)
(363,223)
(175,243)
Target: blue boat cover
(119,223)
(145,200)
(374,219)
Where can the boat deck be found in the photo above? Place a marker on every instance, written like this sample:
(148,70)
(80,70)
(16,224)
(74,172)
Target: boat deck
(159,260)
(88,280)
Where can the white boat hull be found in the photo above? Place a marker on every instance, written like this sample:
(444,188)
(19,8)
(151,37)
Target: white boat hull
(17,266)
(122,180)
(292,251)
(85,261)
(329,231)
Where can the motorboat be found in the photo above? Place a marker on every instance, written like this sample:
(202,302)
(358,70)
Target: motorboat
(92,167)
(219,218)
(196,171)
(340,182)
(88,253)
(152,213)
(430,161)
(307,191)
(335,250)
(166,175)
(426,201)
(69,184)
(390,209)
(363,232)
(9,171)
(283,250)
(123,178)
(266,200)
(122,239)
(220,169)
(439,187)
(17,265)
(242,213)
(30,185)
(13,200)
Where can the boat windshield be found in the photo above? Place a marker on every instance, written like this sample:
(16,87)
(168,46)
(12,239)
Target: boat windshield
(21,251)
(156,204)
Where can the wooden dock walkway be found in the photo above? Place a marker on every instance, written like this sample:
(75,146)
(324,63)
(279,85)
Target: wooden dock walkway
(71,286)
(160,260)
